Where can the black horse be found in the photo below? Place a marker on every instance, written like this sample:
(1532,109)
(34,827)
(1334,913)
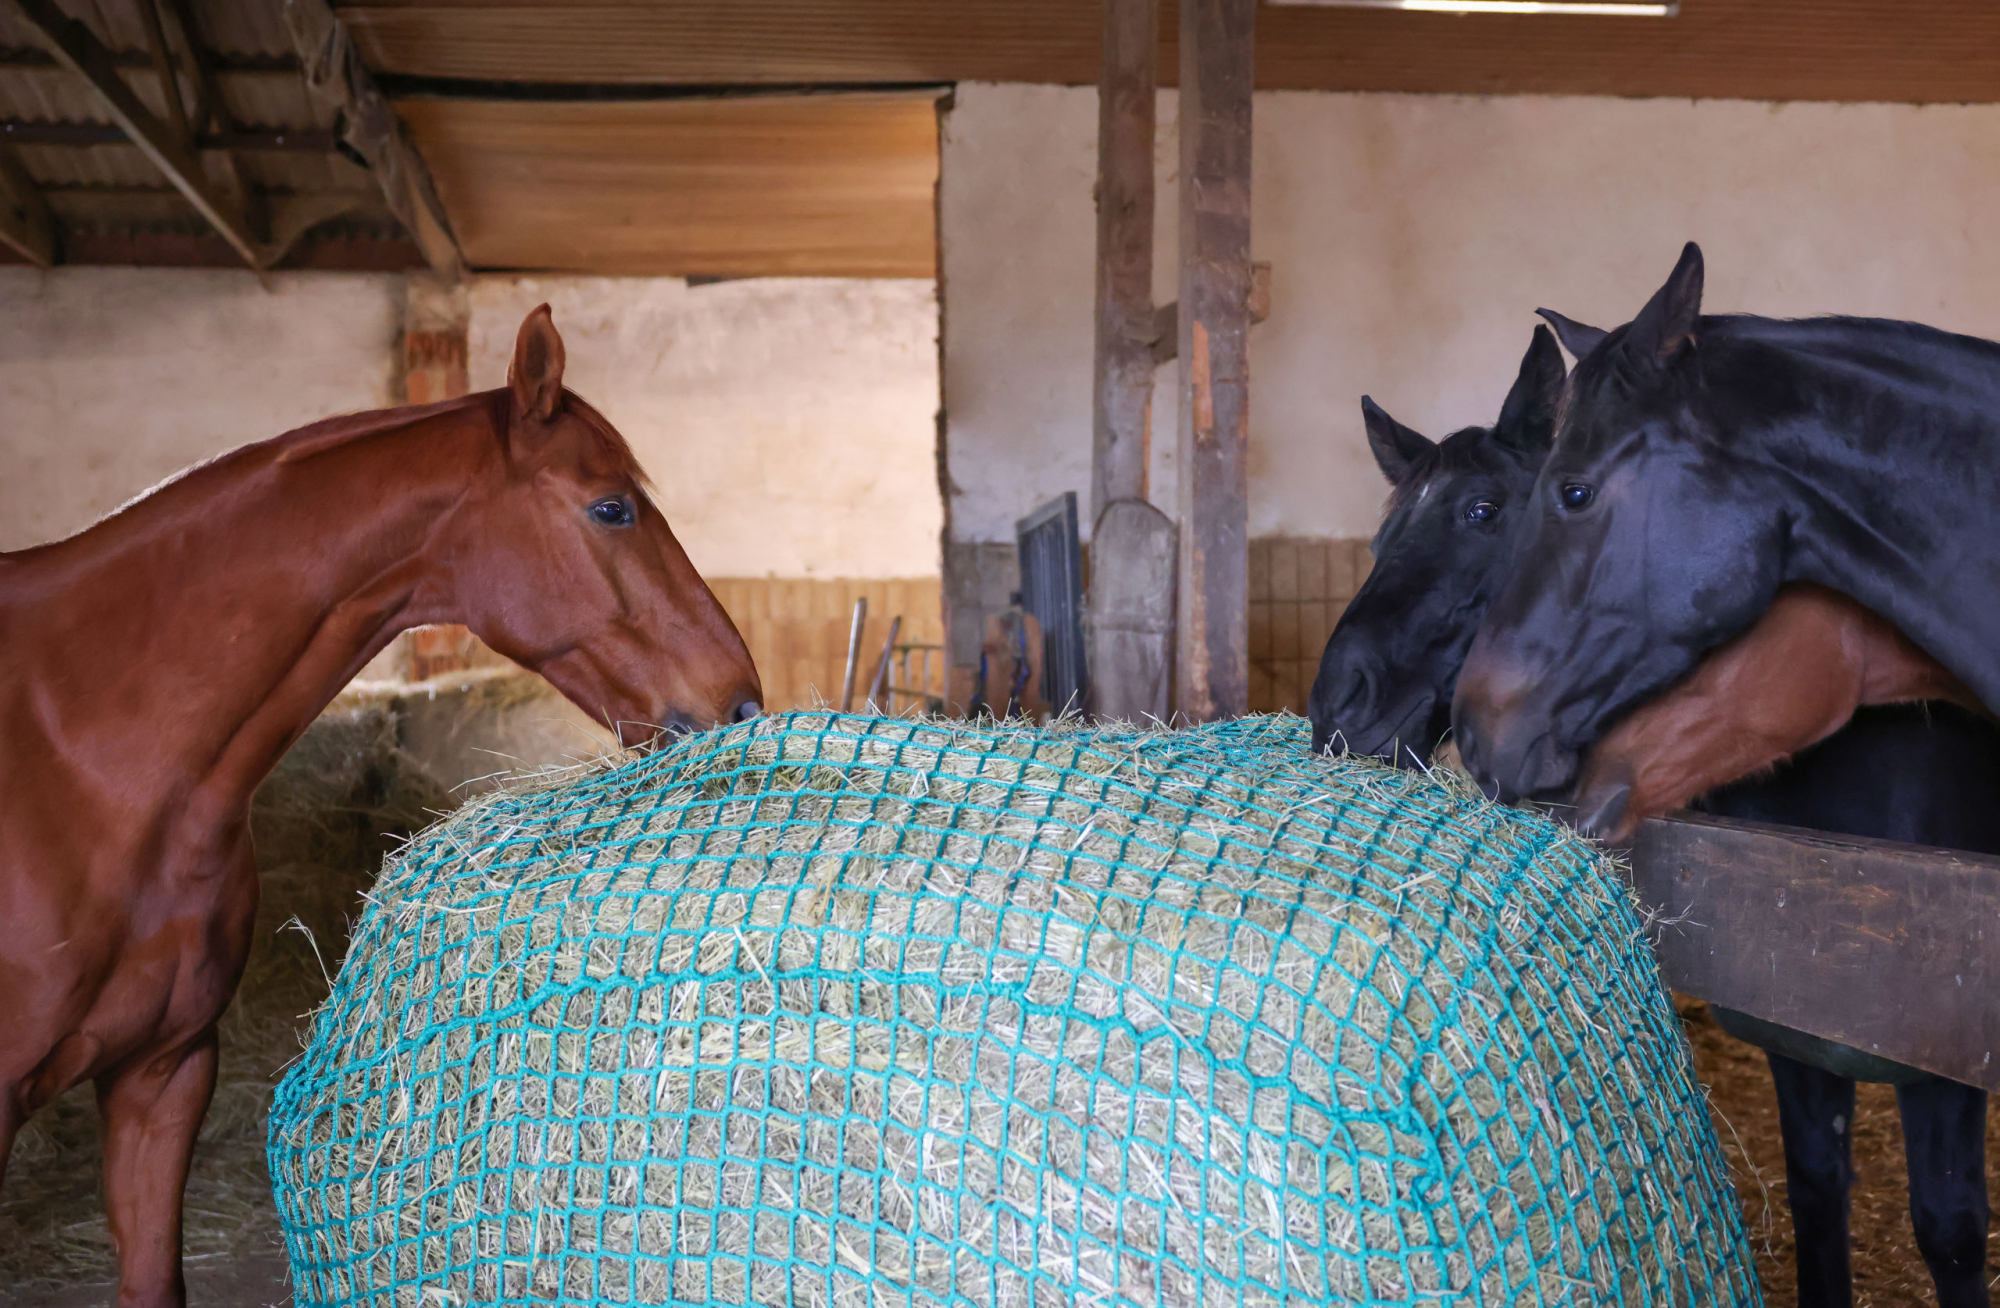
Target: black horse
(1385,684)
(1701,462)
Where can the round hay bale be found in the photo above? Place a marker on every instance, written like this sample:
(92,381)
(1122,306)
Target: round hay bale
(825,1010)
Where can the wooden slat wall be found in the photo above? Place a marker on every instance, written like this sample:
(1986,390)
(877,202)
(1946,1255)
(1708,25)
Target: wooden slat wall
(1904,50)
(1299,587)
(796,628)
(824,186)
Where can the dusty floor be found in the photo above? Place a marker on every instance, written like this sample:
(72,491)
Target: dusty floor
(1887,1268)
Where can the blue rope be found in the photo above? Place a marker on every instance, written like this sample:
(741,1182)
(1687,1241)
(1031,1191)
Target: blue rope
(832,1010)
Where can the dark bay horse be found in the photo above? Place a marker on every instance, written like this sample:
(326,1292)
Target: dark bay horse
(159,663)
(1909,774)
(1702,462)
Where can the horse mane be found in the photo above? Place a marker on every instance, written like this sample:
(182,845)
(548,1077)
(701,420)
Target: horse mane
(345,429)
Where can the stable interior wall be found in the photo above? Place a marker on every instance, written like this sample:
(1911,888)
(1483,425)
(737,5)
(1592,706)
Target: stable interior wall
(113,379)
(788,426)
(1411,238)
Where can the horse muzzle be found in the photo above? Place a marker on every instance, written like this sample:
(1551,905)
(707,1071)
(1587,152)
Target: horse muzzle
(1509,748)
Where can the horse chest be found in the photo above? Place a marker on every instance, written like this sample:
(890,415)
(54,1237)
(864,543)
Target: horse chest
(142,964)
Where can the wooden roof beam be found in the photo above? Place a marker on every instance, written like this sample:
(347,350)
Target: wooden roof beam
(336,76)
(229,65)
(77,48)
(26,224)
(209,110)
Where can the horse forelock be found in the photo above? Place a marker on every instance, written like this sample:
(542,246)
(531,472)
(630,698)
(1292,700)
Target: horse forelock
(609,439)
(1458,452)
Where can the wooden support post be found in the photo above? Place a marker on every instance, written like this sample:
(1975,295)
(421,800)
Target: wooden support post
(77,48)
(437,317)
(1133,544)
(1122,398)
(1213,648)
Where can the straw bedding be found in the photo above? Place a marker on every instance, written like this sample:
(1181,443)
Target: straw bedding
(823,1010)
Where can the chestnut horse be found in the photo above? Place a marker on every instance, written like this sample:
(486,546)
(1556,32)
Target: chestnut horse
(1789,682)
(159,664)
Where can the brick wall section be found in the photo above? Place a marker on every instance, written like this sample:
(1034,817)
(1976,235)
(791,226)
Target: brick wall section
(1299,586)
(796,629)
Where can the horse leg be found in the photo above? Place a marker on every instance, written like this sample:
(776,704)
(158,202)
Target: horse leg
(1816,1117)
(10,1123)
(151,1111)
(1944,1138)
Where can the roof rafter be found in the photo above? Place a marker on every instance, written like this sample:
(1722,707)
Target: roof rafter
(26,224)
(76,47)
(209,110)
(336,75)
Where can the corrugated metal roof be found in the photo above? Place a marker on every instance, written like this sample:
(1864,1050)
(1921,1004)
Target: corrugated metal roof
(114,186)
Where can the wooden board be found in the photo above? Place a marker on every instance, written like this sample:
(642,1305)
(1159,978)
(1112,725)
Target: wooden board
(1212,616)
(1890,948)
(1133,553)
(797,185)
(1937,51)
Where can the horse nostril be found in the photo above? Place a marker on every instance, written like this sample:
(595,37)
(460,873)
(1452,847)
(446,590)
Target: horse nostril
(748,709)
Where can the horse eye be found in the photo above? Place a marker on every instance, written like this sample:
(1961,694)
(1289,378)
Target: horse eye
(1576,496)
(612,513)
(1483,511)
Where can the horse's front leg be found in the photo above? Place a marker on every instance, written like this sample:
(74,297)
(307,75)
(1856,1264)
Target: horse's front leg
(10,1123)
(151,1109)
(1816,1118)
(1944,1139)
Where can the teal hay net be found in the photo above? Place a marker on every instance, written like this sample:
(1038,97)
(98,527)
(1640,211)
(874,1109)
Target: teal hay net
(826,1011)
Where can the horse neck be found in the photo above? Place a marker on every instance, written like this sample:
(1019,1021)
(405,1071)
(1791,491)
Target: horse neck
(1889,503)
(228,608)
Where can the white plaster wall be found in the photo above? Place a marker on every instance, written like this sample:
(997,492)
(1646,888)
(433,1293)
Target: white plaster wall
(1411,238)
(788,424)
(111,379)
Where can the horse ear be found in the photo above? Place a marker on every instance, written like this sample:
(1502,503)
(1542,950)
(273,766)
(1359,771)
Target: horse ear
(1528,418)
(1397,449)
(1578,338)
(536,374)
(1665,327)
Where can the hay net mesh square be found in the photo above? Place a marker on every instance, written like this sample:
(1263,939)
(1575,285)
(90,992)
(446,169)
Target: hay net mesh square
(823,1010)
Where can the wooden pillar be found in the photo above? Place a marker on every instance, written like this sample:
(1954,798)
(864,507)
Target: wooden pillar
(1213,663)
(1132,543)
(1122,399)
(436,320)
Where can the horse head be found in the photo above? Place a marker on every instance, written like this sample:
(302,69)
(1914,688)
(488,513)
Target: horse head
(575,572)
(1386,679)
(1649,538)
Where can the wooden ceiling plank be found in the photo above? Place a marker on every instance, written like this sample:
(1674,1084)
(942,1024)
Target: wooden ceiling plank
(1918,51)
(77,48)
(810,186)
